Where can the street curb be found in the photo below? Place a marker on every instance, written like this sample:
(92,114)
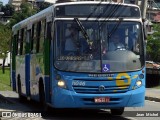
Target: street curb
(4,99)
(152,99)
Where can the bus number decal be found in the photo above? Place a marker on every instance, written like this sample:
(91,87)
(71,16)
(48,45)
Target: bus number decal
(78,83)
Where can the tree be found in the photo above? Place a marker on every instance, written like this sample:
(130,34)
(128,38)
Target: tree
(5,34)
(26,11)
(8,10)
(5,30)
(43,5)
(153,44)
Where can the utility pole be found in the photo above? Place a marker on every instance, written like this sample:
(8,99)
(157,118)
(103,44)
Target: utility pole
(136,2)
(144,8)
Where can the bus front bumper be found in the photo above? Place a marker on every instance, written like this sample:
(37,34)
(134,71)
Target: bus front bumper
(69,99)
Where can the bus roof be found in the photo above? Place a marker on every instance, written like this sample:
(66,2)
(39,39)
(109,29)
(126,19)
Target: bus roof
(49,12)
(94,2)
(30,20)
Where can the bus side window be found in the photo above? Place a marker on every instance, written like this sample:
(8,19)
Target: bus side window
(24,41)
(28,41)
(16,43)
(32,38)
(21,41)
(42,36)
(38,31)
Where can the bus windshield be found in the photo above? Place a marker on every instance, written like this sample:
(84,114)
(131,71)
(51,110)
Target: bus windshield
(112,46)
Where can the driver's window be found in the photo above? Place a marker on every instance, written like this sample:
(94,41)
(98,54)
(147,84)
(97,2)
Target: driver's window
(71,40)
(133,39)
(116,42)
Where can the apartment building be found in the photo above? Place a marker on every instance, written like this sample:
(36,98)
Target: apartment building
(15,3)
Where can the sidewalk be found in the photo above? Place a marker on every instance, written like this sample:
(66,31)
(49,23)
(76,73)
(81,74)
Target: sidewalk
(152,94)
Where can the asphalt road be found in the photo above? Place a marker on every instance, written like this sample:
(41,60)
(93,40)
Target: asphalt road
(13,105)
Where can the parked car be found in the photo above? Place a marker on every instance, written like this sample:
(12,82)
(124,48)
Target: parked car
(151,64)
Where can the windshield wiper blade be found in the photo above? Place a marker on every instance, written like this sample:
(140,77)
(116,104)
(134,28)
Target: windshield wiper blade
(115,27)
(83,31)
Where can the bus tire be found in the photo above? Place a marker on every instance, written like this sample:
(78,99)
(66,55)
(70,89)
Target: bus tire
(118,111)
(21,98)
(42,96)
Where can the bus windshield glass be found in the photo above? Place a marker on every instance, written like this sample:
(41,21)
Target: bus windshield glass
(115,46)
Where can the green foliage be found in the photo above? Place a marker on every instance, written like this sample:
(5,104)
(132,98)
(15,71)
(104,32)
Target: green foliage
(5,35)
(43,5)
(27,10)
(153,44)
(5,30)
(8,10)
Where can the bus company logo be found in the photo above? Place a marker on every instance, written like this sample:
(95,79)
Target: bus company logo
(100,75)
(101,88)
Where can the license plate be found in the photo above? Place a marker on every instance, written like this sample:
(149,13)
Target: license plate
(101,99)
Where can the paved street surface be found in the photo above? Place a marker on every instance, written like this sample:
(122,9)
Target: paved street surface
(153,94)
(12,104)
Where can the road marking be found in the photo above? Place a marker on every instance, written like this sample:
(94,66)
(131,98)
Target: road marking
(130,118)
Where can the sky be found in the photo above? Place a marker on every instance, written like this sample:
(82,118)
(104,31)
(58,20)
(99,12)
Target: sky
(4,1)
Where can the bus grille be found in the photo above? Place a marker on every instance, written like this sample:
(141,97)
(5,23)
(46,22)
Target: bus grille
(100,87)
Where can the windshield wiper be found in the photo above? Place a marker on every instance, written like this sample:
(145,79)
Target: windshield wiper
(83,31)
(115,27)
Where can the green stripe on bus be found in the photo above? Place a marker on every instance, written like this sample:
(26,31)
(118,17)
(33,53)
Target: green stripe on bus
(46,56)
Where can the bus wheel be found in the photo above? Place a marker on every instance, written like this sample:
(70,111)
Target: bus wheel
(42,97)
(21,98)
(118,111)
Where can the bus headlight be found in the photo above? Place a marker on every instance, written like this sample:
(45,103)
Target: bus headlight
(139,83)
(61,83)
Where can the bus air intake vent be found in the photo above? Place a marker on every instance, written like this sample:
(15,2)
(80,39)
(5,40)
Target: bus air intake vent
(99,87)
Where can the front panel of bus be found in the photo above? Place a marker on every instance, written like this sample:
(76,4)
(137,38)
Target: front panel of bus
(88,72)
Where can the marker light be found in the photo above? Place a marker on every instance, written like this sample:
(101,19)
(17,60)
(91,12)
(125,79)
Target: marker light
(139,83)
(141,76)
(61,84)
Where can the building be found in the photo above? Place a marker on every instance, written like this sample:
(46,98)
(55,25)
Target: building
(153,11)
(17,3)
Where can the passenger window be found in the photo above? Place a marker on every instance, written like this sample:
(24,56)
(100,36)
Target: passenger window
(42,36)
(21,41)
(24,41)
(34,38)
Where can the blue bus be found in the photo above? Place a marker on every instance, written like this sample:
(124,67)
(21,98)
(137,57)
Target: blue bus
(62,56)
